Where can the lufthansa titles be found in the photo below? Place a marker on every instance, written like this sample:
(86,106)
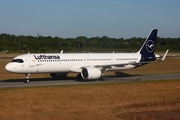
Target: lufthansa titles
(44,57)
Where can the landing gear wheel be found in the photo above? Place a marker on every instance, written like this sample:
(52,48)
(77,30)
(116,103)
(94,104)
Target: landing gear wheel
(103,78)
(26,81)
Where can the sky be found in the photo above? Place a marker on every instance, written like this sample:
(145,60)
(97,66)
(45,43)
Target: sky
(90,18)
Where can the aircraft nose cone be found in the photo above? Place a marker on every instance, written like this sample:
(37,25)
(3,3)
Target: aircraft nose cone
(7,67)
(13,67)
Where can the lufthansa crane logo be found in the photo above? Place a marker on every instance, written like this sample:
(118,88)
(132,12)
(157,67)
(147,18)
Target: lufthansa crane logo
(150,46)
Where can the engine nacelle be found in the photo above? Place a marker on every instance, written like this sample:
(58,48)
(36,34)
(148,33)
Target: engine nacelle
(58,75)
(91,73)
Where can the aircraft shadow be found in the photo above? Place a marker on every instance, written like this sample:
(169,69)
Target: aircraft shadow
(38,79)
(118,75)
(121,74)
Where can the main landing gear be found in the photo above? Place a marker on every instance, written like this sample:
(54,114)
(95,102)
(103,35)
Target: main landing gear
(27,78)
(103,78)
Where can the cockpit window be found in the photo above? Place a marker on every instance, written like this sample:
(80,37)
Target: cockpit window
(17,60)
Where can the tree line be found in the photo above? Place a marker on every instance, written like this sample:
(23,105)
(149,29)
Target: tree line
(12,43)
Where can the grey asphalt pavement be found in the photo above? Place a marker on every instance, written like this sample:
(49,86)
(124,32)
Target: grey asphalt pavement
(71,81)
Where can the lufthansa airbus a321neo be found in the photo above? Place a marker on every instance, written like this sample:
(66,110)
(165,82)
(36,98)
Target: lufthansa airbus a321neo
(88,65)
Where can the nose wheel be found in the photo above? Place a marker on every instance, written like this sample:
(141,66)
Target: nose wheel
(27,78)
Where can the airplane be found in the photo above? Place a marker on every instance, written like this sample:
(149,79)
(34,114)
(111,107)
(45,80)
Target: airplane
(89,66)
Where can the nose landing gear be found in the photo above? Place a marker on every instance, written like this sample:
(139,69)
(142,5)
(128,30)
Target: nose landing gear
(27,78)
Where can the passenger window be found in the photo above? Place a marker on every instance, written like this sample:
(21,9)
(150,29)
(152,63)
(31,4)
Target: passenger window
(17,60)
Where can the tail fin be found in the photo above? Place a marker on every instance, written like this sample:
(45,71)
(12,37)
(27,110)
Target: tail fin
(147,50)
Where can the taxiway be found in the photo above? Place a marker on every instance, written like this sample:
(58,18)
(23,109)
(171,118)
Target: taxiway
(71,81)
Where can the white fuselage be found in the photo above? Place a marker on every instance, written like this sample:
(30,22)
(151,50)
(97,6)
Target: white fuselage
(57,63)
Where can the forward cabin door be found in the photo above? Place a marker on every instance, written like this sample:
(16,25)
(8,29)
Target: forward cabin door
(31,60)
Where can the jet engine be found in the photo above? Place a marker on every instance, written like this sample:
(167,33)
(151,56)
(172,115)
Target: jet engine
(58,75)
(91,73)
